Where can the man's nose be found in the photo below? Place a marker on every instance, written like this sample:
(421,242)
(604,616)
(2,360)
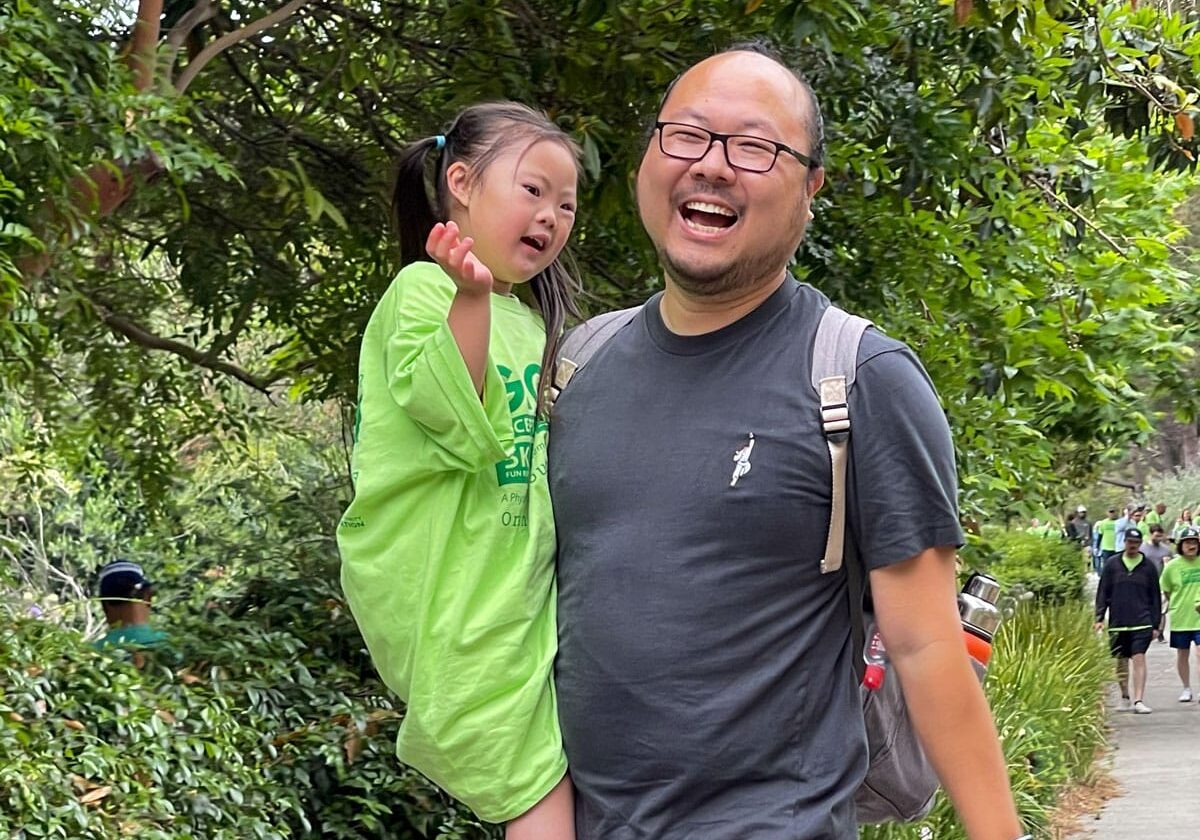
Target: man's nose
(714,166)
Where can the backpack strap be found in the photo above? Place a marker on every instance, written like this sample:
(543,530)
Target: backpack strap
(835,360)
(583,342)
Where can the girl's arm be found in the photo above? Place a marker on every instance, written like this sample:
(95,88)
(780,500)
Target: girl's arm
(470,317)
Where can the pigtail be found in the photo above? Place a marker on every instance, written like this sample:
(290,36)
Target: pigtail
(555,291)
(412,209)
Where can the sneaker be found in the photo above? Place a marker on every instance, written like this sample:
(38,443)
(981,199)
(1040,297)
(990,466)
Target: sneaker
(1140,708)
(1124,705)
(1185,696)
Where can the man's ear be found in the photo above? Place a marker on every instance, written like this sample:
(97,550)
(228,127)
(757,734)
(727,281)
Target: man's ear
(458,182)
(816,180)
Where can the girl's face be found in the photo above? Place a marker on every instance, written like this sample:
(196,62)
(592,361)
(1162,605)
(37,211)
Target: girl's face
(519,211)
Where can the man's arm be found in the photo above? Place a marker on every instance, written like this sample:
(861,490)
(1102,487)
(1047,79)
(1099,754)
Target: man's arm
(918,618)
(1102,595)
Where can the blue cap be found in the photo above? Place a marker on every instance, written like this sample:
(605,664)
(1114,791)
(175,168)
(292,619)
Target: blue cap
(121,579)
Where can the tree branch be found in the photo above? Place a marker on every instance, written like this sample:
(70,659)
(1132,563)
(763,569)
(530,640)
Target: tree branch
(145,42)
(143,337)
(1066,205)
(229,39)
(198,14)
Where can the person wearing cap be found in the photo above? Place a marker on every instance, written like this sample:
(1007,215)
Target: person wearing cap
(125,594)
(1180,584)
(1083,526)
(1129,596)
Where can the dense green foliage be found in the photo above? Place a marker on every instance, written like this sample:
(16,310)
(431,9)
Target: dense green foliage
(1048,567)
(182,261)
(1001,183)
(266,722)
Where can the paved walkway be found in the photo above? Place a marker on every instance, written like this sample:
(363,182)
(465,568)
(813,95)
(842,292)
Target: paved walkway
(1156,761)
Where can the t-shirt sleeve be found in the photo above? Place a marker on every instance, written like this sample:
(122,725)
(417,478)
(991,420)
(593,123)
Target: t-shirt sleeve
(429,380)
(904,489)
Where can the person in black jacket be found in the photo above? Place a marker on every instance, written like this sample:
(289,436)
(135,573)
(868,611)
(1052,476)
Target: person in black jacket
(1130,596)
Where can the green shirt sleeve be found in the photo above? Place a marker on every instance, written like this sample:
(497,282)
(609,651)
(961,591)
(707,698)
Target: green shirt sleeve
(429,381)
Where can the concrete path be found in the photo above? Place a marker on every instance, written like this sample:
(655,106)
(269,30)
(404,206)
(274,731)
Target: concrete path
(1156,761)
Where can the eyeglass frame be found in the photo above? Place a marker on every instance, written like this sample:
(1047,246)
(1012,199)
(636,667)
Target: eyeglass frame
(723,139)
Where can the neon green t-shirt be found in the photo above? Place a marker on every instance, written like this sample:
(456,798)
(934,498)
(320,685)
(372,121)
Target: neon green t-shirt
(1181,580)
(1107,529)
(1152,518)
(448,546)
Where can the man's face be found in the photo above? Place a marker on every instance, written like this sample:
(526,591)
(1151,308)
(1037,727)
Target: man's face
(718,229)
(1189,548)
(1160,508)
(1132,546)
(1137,515)
(1156,537)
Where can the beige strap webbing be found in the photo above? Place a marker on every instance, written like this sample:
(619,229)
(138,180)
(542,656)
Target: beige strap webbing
(835,360)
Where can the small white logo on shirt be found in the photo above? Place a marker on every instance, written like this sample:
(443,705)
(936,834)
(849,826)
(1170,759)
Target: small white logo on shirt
(741,461)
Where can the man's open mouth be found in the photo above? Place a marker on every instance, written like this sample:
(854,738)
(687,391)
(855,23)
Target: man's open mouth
(537,243)
(706,217)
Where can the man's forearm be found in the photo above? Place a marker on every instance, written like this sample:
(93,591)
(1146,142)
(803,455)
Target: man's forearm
(954,723)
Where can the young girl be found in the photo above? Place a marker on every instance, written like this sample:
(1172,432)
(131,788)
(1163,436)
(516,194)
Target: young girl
(448,547)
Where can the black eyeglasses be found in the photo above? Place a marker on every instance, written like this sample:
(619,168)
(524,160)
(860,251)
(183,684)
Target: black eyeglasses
(742,151)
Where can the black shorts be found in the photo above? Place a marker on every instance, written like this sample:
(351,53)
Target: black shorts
(1127,643)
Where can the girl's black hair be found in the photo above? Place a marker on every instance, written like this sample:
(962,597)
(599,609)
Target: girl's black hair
(420,199)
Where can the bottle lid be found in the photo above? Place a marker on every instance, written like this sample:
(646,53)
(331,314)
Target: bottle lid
(873,677)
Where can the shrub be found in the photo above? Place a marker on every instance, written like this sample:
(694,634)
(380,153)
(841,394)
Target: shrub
(1052,569)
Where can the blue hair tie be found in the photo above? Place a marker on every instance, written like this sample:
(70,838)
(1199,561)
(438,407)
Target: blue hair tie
(441,141)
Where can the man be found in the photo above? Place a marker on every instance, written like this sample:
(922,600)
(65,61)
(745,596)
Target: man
(1157,516)
(1105,541)
(1132,519)
(704,674)
(125,595)
(1129,595)
(1158,549)
(1083,526)
(1181,586)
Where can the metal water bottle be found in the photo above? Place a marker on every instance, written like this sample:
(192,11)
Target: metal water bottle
(980,615)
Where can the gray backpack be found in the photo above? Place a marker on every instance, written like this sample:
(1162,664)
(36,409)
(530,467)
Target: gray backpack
(900,783)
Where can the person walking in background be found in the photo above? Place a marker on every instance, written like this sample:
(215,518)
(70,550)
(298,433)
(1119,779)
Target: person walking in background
(1180,585)
(1104,543)
(125,595)
(1158,549)
(1158,516)
(1128,595)
(1184,521)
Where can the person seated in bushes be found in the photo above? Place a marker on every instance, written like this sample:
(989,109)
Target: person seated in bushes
(1180,583)
(1130,597)
(125,594)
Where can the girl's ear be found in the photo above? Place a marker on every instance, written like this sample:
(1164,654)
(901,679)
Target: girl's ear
(458,182)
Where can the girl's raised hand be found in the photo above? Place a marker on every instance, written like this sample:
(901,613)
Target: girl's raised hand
(454,255)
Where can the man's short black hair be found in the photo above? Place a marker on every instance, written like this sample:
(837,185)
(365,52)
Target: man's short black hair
(765,48)
(1156,529)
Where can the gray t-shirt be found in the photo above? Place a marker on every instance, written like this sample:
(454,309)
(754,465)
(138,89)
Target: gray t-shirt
(704,674)
(1157,554)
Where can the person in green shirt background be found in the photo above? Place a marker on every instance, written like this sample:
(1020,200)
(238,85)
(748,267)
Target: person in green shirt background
(126,595)
(1105,541)
(1180,583)
(1158,516)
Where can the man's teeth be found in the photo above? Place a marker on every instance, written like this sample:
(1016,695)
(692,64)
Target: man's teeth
(705,207)
(703,228)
